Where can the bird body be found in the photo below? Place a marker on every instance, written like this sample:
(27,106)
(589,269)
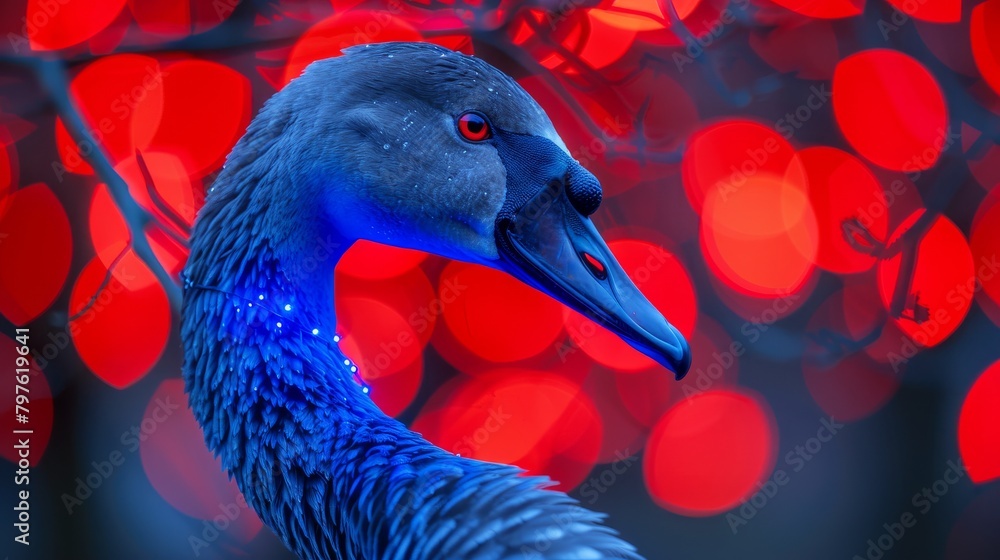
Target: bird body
(279,403)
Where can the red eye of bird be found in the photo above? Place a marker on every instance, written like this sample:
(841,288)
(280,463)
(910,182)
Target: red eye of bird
(474,127)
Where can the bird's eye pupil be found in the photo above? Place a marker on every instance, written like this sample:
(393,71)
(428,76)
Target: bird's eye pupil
(473,127)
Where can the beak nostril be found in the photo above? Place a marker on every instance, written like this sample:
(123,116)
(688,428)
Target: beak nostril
(595,266)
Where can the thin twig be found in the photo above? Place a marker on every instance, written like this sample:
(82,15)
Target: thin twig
(154,195)
(104,284)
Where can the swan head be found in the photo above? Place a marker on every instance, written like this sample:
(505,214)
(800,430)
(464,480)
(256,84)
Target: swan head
(420,147)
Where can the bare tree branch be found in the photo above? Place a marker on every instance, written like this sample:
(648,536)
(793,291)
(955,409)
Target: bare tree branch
(52,76)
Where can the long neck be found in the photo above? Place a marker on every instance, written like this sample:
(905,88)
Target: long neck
(278,402)
(274,395)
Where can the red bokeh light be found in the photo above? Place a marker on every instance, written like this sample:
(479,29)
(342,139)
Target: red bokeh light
(330,36)
(979,427)
(862,314)
(489,311)
(841,188)
(131,311)
(538,421)
(847,384)
(890,109)
(809,48)
(58,25)
(715,359)
(761,238)
(985,42)
(662,278)
(984,243)
(410,294)
(386,348)
(375,261)
(181,468)
(33,223)
(937,11)
(950,43)
(108,231)
(624,435)
(8,168)
(709,452)
(824,9)
(724,156)
(107,92)
(941,286)
(205,108)
(647,394)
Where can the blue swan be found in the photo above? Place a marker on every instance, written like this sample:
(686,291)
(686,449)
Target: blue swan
(420,147)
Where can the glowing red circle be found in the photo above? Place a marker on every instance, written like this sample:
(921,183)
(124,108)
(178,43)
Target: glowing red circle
(985,42)
(979,427)
(205,109)
(890,109)
(496,316)
(942,284)
(64,24)
(108,92)
(34,224)
(722,157)
(709,452)
(841,189)
(131,311)
(761,238)
(824,9)
(375,261)
(540,422)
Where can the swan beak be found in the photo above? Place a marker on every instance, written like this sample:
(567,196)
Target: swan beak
(549,244)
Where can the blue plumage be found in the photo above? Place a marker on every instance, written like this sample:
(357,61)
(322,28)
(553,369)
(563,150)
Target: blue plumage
(360,146)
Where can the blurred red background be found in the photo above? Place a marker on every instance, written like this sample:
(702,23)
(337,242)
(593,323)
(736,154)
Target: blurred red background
(807,189)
